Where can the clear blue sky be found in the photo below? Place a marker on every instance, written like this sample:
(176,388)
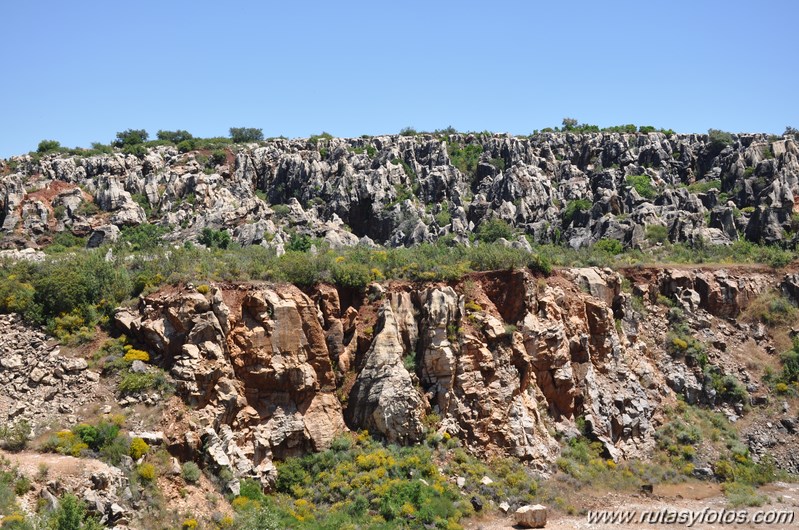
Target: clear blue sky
(80,71)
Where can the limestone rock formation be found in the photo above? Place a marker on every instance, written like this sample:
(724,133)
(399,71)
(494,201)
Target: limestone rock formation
(397,190)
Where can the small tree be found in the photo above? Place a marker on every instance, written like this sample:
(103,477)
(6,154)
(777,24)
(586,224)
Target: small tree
(569,124)
(130,137)
(45,146)
(241,135)
(174,136)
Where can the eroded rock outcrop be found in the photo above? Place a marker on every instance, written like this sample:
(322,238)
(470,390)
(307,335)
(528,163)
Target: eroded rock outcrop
(572,189)
(502,361)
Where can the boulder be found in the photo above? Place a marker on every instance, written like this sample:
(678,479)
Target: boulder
(534,516)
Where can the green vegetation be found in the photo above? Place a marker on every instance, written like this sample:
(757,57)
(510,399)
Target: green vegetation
(360,483)
(657,234)
(574,207)
(134,383)
(718,140)
(47,146)
(190,472)
(609,246)
(772,309)
(493,230)
(790,368)
(643,185)
(240,135)
(215,238)
(102,440)
(571,125)
(130,137)
(174,137)
(15,435)
(465,158)
(443,218)
(314,139)
(703,186)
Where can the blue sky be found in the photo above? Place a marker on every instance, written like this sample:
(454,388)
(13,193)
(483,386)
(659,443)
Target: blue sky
(79,72)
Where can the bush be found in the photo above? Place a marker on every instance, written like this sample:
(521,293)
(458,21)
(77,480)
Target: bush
(47,146)
(174,137)
(136,355)
(190,472)
(718,140)
(772,309)
(145,236)
(643,185)
(132,383)
(215,238)
(15,436)
(494,229)
(704,186)
(465,158)
(146,472)
(130,137)
(611,246)
(138,448)
(299,243)
(790,364)
(657,233)
(574,207)
(241,135)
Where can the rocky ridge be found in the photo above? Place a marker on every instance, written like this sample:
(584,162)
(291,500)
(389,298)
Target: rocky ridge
(404,190)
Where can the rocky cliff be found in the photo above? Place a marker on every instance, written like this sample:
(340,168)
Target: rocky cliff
(507,362)
(558,187)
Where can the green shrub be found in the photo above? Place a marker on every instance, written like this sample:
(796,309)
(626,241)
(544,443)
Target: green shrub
(494,229)
(339,486)
(47,146)
(574,207)
(67,240)
(465,158)
(214,238)
(314,139)
(217,158)
(133,383)
(739,495)
(790,364)
(299,243)
(704,186)
(71,515)
(443,218)
(174,137)
(130,137)
(186,145)
(15,436)
(718,140)
(610,246)
(657,233)
(772,309)
(190,472)
(241,135)
(643,185)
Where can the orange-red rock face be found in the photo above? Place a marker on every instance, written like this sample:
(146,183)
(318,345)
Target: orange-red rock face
(504,361)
